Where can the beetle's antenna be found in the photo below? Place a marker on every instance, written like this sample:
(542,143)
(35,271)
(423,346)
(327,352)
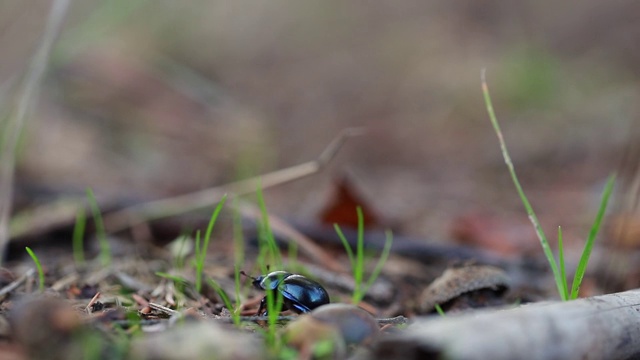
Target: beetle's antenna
(247,275)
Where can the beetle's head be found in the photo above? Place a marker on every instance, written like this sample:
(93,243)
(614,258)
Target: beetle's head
(254,280)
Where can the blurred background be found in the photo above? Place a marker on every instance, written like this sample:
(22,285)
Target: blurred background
(148,99)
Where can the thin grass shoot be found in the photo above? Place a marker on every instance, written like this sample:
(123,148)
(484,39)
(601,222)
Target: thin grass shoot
(38,267)
(101,234)
(563,270)
(558,274)
(78,237)
(593,233)
(269,255)
(233,309)
(357,260)
(201,248)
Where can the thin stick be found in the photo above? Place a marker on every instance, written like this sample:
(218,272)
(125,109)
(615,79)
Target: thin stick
(161,308)
(398,320)
(93,301)
(180,204)
(14,285)
(288,233)
(15,124)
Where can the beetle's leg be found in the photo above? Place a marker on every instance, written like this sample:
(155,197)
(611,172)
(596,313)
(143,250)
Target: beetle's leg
(263,306)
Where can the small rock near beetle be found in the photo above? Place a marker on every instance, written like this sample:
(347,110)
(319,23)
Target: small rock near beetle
(299,294)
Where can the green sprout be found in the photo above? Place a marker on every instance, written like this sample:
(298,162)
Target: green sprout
(78,237)
(235,313)
(201,249)
(101,234)
(558,274)
(357,260)
(269,254)
(38,267)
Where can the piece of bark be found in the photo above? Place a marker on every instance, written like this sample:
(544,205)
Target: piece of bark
(601,327)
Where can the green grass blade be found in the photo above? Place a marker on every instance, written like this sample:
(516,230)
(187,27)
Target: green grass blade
(38,267)
(346,245)
(588,246)
(440,311)
(238,249)
(212,222)
(101,234)
(271,251)
(199,262)
(383,259)
(175,278)
(358,275)
(78,237)
(525,201)
(563,272)
(201,251)
(235,316)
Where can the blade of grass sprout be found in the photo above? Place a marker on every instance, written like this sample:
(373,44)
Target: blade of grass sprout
(383,259)
(359,268)
(237,288)
(199,263)
(235,316)
(274,306)
(525,201)
(563,273)
(238,247)
(212,222)
(201,251)
(347,247)
(238,236)
(440,311)
(270,241)
(78,237)
(269,249)
(588,246)
(38,267)
(101,234)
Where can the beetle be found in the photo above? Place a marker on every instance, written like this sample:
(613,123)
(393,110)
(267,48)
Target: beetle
(299,294)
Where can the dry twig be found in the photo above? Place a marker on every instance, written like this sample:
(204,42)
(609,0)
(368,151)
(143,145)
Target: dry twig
(14,285)
(95,297)
(161,308)
(181,204)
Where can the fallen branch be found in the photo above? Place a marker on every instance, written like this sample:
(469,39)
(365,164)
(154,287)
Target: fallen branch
(181,204)
(601,327)
(162,309)
(14,284)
